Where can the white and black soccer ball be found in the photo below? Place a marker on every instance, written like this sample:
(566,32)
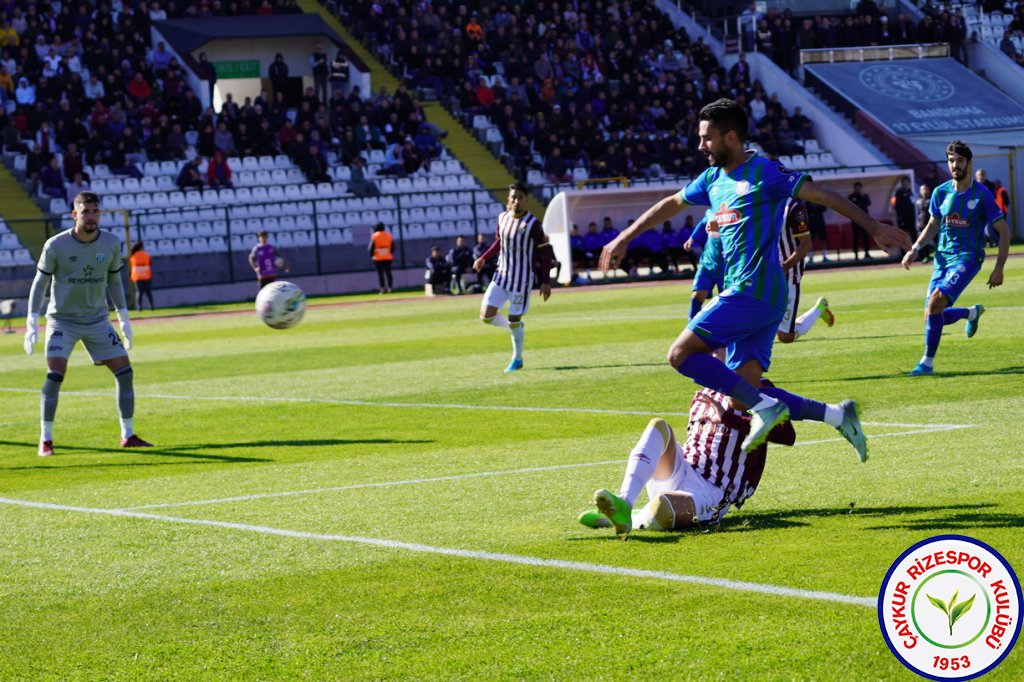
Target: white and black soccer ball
(281,305)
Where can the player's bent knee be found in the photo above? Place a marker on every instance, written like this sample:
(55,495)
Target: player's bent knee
(676,356)
(662,427)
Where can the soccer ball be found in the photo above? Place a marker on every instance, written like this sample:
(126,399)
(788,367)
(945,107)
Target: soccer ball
(281,305)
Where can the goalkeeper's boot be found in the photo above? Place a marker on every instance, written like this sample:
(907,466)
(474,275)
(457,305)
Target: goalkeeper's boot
(972,325)
(851,429)
(134,441)
(592,518)
(617,510)
(762,422)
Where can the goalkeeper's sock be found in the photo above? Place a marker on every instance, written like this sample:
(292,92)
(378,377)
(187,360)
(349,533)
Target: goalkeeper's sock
(125,399)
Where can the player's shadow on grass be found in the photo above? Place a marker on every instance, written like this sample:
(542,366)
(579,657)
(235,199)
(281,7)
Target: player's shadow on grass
(567,368)
(937,518)
(895,518)
(938,375)
(183,452)
(304,443)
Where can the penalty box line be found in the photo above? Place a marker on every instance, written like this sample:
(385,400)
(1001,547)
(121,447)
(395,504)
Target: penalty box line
(479,474)
(579,566)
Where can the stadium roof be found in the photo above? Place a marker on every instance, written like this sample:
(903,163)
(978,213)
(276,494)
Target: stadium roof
(187,35)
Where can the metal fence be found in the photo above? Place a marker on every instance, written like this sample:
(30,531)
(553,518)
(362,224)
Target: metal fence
(318,236)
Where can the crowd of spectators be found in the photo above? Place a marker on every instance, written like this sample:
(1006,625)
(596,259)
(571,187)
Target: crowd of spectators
(609,86)
(781,35)
(80,81)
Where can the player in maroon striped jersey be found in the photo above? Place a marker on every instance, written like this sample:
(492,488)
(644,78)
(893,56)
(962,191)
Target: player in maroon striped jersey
(794,245)
(690,483)
(695,482)
(518,238)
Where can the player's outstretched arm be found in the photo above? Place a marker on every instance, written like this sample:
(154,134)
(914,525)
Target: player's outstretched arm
(886,236)
(667,208)
(996,278)
(925,237)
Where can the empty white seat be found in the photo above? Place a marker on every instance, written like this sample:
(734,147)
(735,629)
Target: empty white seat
(303,238)
(287,223)
(22,257)
(332,236)
(216,244)
(284,239)
(200,245)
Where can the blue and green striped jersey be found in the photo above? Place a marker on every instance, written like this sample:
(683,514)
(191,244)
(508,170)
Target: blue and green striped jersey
(749,206)
(962,219)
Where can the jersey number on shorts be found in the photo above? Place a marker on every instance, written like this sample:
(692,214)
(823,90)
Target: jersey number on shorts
(115,340)
(517,299)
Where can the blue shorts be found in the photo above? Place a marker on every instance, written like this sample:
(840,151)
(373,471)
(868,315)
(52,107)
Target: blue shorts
(707,279)
(951,279)
(741,323)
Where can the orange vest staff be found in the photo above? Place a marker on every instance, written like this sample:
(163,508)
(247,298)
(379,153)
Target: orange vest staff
(382,242)
(141,271)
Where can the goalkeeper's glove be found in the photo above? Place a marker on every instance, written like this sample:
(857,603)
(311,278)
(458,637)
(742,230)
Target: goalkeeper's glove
(31,332)
(126,327)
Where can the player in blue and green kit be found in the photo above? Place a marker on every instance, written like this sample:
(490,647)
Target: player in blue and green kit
(709,275)
(959,211)
(748,194)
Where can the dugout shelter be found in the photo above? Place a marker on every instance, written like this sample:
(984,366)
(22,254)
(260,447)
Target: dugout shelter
(242,49)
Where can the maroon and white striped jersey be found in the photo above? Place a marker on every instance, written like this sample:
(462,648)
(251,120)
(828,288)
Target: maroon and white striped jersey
(519,238)
(713,449)
(795,228)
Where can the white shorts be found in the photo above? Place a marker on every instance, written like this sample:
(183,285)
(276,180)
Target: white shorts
(496,296)
(99,339)
(684,478)
(788,324)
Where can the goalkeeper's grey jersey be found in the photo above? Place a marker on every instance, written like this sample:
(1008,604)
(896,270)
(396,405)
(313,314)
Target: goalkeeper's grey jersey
(79,270)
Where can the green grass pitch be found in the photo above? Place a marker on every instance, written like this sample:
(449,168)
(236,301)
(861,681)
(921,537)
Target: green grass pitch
(367,496)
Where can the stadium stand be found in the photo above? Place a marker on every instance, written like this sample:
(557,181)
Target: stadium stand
(118,117)
(595,91)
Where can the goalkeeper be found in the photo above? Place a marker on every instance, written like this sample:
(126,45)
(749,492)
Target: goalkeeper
(84,265)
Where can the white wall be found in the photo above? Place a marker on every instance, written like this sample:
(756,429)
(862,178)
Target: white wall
(998,69)
(833,132)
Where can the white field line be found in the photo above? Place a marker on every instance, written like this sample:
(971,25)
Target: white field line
(380,484)
(482,474)
(611,317)
(443,406)
(586,567)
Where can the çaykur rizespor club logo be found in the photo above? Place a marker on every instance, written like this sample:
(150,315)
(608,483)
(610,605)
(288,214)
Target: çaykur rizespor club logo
(907,83)
(949,608)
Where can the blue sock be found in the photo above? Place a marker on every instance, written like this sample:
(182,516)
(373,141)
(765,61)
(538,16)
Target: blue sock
(709,371)
(951,315)
(932,334)
(695,306)
(800,408)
